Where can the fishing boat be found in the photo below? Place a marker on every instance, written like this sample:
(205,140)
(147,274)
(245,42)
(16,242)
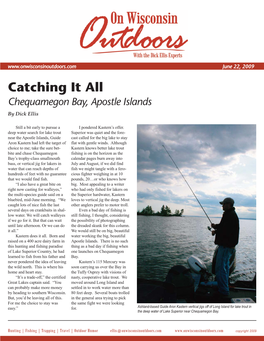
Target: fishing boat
(195,284)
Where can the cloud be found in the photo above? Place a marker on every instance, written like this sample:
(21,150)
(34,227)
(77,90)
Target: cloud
(192,147)
(217,160)
(160,195)
(144,155)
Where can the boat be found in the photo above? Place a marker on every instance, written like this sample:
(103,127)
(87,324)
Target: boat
(195,284)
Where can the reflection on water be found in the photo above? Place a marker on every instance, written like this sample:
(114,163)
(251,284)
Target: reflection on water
(167,241)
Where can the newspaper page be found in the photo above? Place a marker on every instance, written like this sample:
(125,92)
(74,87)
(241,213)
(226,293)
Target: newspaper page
(124,127)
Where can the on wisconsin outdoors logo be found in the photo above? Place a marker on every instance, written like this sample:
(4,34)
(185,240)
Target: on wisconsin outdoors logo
(128,38)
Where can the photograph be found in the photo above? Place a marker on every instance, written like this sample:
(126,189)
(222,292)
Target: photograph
(196,213)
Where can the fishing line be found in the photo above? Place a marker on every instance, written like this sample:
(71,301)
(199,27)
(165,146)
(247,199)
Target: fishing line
(187,183)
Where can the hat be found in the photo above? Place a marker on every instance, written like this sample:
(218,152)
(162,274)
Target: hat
(227,201)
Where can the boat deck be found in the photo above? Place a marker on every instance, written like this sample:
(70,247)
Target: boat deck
(150,291)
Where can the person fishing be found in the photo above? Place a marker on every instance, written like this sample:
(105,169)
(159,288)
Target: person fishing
(226,237)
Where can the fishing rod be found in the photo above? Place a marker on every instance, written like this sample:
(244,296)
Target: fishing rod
(188,185)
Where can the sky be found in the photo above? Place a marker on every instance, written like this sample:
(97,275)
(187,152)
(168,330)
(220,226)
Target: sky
(217,161)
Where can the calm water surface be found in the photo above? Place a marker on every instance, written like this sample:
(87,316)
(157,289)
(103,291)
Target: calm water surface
(167,241)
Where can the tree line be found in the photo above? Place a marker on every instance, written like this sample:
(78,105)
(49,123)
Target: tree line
(164,211)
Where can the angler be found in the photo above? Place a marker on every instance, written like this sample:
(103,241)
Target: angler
(226,238)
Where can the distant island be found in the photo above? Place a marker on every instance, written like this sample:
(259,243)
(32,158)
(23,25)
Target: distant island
(165,212)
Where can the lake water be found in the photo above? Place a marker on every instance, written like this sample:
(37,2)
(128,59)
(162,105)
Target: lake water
(167,241)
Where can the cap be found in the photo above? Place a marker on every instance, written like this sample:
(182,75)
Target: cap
(227,201)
